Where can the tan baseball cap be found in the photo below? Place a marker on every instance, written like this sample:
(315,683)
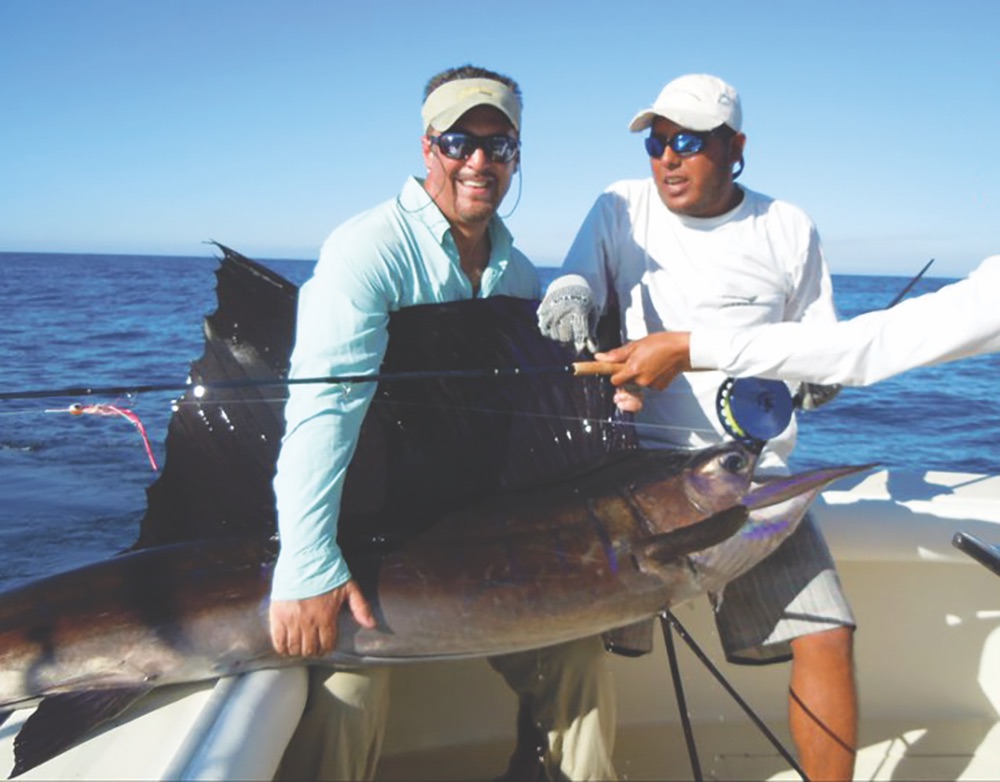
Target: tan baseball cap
(452,99)
(697,101)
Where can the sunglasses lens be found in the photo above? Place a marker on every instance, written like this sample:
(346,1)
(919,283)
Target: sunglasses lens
(502,148)
(655,146)
(457,146)
(686,143)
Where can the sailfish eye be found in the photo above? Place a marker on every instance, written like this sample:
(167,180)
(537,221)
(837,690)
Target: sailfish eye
(734,462)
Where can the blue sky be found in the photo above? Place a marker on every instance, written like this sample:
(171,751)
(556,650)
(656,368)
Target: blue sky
(132,126)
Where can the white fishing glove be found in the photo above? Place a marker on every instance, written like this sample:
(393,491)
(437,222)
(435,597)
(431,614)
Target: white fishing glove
(568,314)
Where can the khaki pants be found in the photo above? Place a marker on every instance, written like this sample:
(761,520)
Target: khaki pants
(340,734)
(565,692)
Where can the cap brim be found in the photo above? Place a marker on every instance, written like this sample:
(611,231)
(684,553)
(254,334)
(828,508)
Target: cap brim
(689,120)
(642,120)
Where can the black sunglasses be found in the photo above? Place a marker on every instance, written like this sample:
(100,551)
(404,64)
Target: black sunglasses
(499,148)
(683,142)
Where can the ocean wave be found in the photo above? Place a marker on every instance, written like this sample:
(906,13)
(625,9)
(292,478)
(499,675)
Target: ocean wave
(21,447)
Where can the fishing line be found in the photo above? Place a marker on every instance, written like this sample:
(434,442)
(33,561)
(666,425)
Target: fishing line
(176,404)
(11,413)
(470,409)
(465,408)
(199,392)
(207,400)
(613,423)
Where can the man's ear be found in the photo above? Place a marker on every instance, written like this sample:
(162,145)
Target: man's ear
(425,147)
(736,146)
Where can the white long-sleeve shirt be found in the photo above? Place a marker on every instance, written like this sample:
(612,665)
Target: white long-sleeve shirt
(761,262)
(957,321)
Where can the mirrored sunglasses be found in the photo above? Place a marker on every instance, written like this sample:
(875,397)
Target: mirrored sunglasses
(499,148)
(683,142)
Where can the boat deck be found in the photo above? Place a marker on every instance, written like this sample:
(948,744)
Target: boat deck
(890,750)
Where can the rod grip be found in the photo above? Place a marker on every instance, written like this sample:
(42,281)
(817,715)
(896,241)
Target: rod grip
(596,367)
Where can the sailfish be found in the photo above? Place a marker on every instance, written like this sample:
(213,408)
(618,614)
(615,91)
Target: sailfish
(482,514)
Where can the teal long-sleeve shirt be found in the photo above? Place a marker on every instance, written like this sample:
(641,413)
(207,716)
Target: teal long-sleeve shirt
(399,254)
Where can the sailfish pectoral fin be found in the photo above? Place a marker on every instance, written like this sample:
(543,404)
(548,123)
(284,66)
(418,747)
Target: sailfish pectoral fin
(680,542)
(60,721)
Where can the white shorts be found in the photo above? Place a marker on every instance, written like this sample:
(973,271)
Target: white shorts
(794,592)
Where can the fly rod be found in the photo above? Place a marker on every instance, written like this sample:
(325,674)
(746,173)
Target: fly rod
(579,368)
(910,284)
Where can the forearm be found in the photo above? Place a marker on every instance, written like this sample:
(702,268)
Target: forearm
(959,320)
(815,353)
(341,328)
(308,488)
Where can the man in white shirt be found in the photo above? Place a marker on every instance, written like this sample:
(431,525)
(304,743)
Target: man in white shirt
(685,249)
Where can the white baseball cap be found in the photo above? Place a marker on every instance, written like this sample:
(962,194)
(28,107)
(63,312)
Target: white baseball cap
(696,102)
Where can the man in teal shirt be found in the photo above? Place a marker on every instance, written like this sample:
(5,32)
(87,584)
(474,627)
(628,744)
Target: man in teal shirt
(439,240)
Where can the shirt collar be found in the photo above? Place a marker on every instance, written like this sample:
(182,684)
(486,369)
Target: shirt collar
(707,223)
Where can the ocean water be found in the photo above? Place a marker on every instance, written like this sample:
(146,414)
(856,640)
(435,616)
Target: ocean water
(72,487)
